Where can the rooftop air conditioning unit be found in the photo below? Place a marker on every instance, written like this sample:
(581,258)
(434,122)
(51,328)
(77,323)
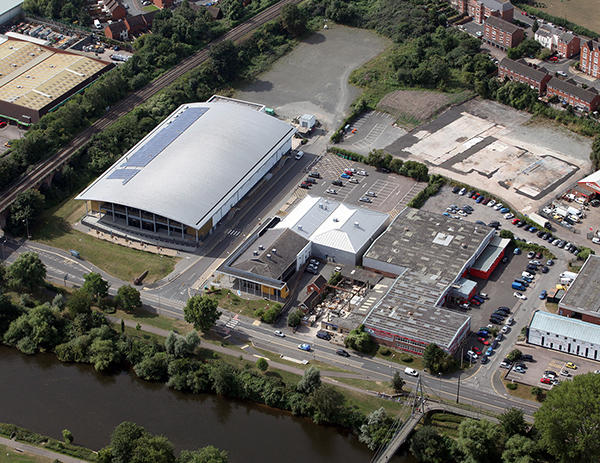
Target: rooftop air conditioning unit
(255,253)
(299,227)
(268,256)
(356,224)
(261,247)
(335,219)
(274,251)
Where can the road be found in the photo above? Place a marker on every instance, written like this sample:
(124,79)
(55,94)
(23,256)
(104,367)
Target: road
(33,450)
(36,175)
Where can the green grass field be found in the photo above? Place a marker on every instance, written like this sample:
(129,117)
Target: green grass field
(55,230)
(229,301)
(150,8)
(446,423)
(10,456)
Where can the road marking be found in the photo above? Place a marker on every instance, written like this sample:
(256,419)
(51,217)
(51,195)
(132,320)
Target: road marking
(256,322)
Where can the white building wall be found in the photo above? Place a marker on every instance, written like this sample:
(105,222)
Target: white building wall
(563,344)
(334,255)
(303,256)
(252,181)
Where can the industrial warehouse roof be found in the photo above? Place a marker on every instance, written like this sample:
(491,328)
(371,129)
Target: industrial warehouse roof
(565,326)
(409,309)
(593,178)
(490,253)
(34,76)
(194,162)
(429,243)
(583,294)
(8,5)
(333,224)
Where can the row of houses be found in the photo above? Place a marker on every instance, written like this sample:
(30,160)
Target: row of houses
(539,79)
(480,10)
(130,26)
(564,43)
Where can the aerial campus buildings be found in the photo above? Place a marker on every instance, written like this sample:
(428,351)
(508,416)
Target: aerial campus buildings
(35,79)
(181,179)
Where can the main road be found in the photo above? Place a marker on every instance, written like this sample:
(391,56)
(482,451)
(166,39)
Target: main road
(40,172)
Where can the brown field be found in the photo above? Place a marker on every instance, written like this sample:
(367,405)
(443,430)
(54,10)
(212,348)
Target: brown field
(413,107)
(576,11)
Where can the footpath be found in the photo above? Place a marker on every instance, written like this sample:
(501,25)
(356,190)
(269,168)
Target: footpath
(40,451)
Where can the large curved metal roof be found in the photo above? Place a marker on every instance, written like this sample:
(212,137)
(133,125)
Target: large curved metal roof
(193,162)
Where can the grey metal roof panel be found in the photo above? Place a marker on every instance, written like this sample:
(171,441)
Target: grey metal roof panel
(199,170)
(566,327)
(583,294)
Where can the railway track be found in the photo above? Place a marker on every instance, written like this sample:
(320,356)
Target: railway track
(40,172)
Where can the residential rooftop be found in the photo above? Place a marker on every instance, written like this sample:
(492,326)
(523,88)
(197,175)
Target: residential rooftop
(522,68)
(571,88)
(583,294)
(501,24)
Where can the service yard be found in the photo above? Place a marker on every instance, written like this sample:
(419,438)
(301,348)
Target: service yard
(491,146)
(8,133)
(391,191)
(549,360)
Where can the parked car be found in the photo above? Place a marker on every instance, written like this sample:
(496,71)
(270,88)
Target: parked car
(571,365)
(505,329)
(485,359)
(314,175)
(505,364)
(345,175)
(545,380)
(517,251)
(299,155)
(543,294)
(331,191)
(492,203)
(364,199)
(372,194)
(519,295)
(520,370)
(462,191)
(337,183)
(311,180)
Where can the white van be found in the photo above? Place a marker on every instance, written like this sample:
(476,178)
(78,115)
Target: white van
(411,371)
(97,24)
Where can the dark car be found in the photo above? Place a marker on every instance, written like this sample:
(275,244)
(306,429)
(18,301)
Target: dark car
(323,335)
(337,183)
(495,224)
(311,180)
(315,175)
(485,359)
(342,352)
(456,189)
(541,233)
(520,223)
(527,357)
(306,186)
(545,269)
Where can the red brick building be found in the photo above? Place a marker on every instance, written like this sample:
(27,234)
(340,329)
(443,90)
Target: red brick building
(588,61)
(115,9)
(132,26)
(117,31)
(570,93)
(501,33)
(567,45)
(480,10)
(520,71)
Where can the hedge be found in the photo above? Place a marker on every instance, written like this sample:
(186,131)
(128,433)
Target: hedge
(435,183)
(558,21)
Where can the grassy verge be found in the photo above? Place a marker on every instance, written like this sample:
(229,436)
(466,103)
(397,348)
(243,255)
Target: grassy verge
(249,307)
(367,403)
(315,363)
(522,391)
(368,385)
(149,8)
(54,228)
(153,319)
(9,456)
(412,361)
(23,435)
(551,307)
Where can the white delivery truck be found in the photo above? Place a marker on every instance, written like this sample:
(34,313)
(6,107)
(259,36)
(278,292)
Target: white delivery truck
(541,221)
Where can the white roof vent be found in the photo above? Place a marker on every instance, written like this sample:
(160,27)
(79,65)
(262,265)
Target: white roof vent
(261,247)
(356,224)
(274,250)
(255,253)
(335,219)
(268,256)
(299,227)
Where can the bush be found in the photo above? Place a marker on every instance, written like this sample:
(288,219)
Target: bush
(295,317)
(514,355)
(407,359)
(512,386)
(384,351)
(435,183)
(271,314)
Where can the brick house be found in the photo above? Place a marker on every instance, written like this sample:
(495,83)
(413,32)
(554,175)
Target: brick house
(163,3)
(115,9)
(480,10)
(501,33)
(117,31)
(569,92)
(588,60)
(564,44)
(141,23)
(520,71)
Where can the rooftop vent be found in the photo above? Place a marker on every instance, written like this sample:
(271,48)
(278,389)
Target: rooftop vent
(335,219)
(274,250)
(268,256)
(356,224)
(255,253)
(299,227)
(261,247)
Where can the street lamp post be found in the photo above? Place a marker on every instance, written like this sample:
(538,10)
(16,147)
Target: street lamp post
(458,389)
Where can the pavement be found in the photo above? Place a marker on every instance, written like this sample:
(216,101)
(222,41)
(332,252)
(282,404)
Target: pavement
(34,450)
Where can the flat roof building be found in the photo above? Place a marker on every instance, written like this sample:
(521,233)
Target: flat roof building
(10,10)
(591,182)
(317,227)
(582,300)
(429,255)
(35,79)
(181,179)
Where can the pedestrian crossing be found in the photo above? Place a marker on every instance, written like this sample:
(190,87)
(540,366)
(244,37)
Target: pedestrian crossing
(233,232)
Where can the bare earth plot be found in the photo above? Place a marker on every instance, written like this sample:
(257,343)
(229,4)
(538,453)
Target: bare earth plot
(498,149)
(413,106)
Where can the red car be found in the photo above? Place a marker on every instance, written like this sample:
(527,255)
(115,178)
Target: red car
(553,58)
(546,381)
(476,349)
(349,172)
(514,221)
(2,124)
(483,341)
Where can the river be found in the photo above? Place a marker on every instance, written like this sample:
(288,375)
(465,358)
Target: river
(46,396)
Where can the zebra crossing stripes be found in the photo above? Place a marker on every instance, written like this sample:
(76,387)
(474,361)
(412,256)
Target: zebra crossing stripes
(233,232)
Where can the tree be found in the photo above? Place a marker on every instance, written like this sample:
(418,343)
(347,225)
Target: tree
(293,19)
(479,440)
(153,368)
(374,432)
(80,301)
(428,446)
(535,26)
(595,153)
(224,57)
(27,271)
(295,317)
(95,285)
(67,436)
(311,380)
(224,379)
(25,209)
(360,340)
(208,454)
(514,355)
(377,159)
(180,346)
(519,449)
(128,298)
(8,313)
(568,420)
(512,422)
(436,360)
(538,392)
(327,404)
(506,234)
(584,253)
(262,364)
(397,382)
(202,312)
